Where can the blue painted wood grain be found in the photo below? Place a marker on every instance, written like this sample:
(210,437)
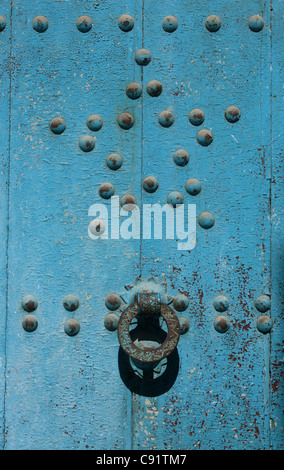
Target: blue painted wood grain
(64,392)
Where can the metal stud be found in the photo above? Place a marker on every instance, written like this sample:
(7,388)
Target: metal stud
(180,302)
(95,122)
(263,303)
(72,327)
(221,303)
(264,324)
(29,323)
(106,190)
(111,321)
(29,303)
(40,24)
(84,24)
(175,198)
(126,121)
(213,23)
(2,23)
(154,88)
(133,90)
(181,157)
(112,301)
(114,161)
(204,137)
(126,23)
(150,184)
(96,228)
(196,117)
(256,23)
(143,57)
(170,24)
(87,143)
(57,125)
(232,114)
(128,202)
(183,325)
(166,119)
(206,220)
(221,324)
(193,186)
(70,302)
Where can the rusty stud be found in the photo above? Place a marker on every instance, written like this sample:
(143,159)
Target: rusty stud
(111,321)
(206,220)
(262,303)
(221,324)
(143,57)
(232,114)
(29,303)
(40,24)
(175,198)
(256,23)
(106,190)
(154,88)
(213,23)
(2,23)
(180,302)
(126,23)
(87,143)
(95,122)
(84,24)
(70,302)
(170,24)
(72,327)
(196,117)
(183,325)
(112,302)
(133,90)
(204,137)
(128,202)
(150,184)
(96,228)
(114,161)
(29,323)
(166,119)
(221,303)
(181,157)
(57,125)
(264,324)
(126,121)
(193,186)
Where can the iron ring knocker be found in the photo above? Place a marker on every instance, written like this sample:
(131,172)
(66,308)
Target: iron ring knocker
(148,305)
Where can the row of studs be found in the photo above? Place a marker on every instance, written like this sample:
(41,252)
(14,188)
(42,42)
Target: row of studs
(181,303)
(126,120)
(221,323)
(113,302)
(126,23)
(170,23)
(72,326)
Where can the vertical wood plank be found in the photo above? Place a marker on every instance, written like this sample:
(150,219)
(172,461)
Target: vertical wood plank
(5,77)
(57,397)
(220,399)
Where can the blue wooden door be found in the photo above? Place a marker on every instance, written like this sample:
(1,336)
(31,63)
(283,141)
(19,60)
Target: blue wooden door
(75,131)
